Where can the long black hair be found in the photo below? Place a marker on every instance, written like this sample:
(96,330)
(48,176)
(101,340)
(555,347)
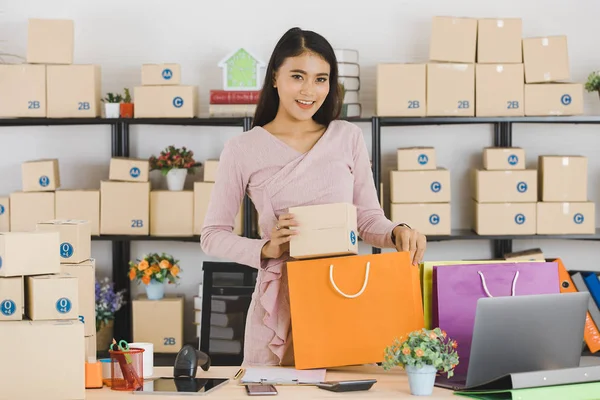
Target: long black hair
(294,43)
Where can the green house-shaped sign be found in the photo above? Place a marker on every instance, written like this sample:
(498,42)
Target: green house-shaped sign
(242,71)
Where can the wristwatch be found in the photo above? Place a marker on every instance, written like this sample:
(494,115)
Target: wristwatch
(394,236)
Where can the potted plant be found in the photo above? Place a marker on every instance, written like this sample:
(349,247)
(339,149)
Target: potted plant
(112,105)
(593,82)
(174,163)
(108,302)
(126,105)
(422,353)
(153,270)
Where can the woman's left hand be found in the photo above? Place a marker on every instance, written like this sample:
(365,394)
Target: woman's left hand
(410,240)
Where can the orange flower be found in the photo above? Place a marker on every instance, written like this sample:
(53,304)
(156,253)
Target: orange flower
(406,351)
(149,271)
(419,352)
(132,274)
(165,264)
(143,265)
(155,268)
(444,334)
(454,344)
(146,279)
(175,270)
(432,335)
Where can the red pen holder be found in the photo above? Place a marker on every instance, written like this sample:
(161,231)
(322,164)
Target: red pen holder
(127,369)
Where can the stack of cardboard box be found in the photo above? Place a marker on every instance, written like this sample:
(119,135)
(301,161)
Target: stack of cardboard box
(426,206)
(504,193)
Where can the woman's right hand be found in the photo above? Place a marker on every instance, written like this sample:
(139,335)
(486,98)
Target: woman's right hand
(281,235)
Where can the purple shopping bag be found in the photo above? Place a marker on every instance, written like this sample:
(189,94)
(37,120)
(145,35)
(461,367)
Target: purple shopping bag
(456,289)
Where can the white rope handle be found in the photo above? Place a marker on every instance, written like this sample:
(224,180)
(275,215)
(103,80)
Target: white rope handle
(514,284)
(350,296)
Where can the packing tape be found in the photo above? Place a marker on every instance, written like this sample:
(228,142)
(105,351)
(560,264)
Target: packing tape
(545,42)
(565,161)
(565,208)
(499,68)
(500,23)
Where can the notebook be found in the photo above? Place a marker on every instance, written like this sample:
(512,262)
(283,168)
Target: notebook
(282,376)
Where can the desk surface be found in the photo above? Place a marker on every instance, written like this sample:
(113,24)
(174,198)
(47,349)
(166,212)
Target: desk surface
(390,385)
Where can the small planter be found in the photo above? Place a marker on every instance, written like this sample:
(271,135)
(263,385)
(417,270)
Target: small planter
(421,380)
(176,178)
(112,110)
(155,290)
(126,110)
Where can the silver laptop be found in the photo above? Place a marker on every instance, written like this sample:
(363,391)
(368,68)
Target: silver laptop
(523,334)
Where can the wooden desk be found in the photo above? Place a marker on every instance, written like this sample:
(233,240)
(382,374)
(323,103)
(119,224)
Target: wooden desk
(390,385)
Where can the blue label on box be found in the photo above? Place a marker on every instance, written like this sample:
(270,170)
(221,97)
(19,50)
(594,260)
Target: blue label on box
(167,74)
(434,219)
(134,172)
(0,261)
(178,102)
(436,187)
(44,181)
(352,237)
(521,187)
(566,99)
(2,209)
(33,105)
(513,159)
(423,159)
(63,305)
(578,218)
(66,250)
(8,308)
(520,219)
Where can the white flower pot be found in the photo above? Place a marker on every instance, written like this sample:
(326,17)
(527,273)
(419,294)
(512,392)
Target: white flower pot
(112,110)
(421,380)
(155,290)
(176,178)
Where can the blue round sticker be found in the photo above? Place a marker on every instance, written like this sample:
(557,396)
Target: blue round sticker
(352,237)
(44,181)
(436,187)
(434,219)
(423,159)
(167,74)
(0,261)
(578,218)
(8,307)
(566,99)
(63,305)
(178,102)
(134,172)
(521,187)
(513,159)
(520,219)
(2,209)
(66,250)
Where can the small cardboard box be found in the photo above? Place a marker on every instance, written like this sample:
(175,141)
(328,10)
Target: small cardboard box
(85,273)
(431,186)
(503,158)
(416,158)
(50,41)
(29,208)
(554,99)
(451,90)
(566,218)
(526,255)
(546,59)
(128,169)
(159,322)
(32,347)
(509,186)
(40,175)
(401,90)
(453,39)
(124,208)
(4,214)
(210,170)
(161,74)
(165,101)
(499,89)
(18,259)
(171,213)
(22,90)
(11,299)
(52,297)
(563,178)
(427,218)
(499,40)
(75,238)
(73,91)
(325,230)
(202,193)
(81,205)
(505,218)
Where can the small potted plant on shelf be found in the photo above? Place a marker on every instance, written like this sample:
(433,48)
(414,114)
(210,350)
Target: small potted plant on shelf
(112,105)
(422,353)
(108,302)
(154,270)
(593,82)
(126,105)
(174,163)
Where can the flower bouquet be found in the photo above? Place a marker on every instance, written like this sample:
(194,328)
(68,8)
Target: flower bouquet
(108,302)
(174,163)
(153,270)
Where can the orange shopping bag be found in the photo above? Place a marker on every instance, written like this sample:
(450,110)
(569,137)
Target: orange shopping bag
(346,310)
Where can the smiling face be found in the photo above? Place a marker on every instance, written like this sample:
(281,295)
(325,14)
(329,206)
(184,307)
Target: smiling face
(302,83)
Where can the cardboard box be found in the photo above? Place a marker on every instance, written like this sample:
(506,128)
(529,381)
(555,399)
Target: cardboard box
(505,218)
(22,90)
(499,40)
(554,99)
(427,218)
(40,175)
(31,349)
(124,208)
(432,186)
(29,208)
(85,273)
(451,90)
(503,158)
(81,205)
(566,218)
(416,158)
(128,169)
(210,170)
(526,255)
(401,90)
(499,89)
(75,238)
(73,91)
(50,41)
(325,230)
(52,297)
(202,193)
(453,39)
(159,322)
(161,74)
(546,59)
(165,101)
(4,214)
(17,258)
(171,213)
(563,178)
(510,186)
(11,299)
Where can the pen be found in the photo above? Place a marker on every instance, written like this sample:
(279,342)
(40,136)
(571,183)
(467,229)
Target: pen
(239,373)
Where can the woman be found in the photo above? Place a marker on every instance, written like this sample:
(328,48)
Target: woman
(296,154)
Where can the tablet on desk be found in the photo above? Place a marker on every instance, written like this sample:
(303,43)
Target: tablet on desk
(182,386)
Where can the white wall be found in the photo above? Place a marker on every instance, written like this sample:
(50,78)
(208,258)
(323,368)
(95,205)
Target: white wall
(121,35)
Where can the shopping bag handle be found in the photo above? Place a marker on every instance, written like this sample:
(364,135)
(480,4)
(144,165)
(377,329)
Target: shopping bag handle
(350,296)
(514,283)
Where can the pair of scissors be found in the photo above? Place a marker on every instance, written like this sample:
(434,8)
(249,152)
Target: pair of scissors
(121,346)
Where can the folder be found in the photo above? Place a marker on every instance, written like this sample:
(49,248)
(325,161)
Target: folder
(582,391)
(282,376)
